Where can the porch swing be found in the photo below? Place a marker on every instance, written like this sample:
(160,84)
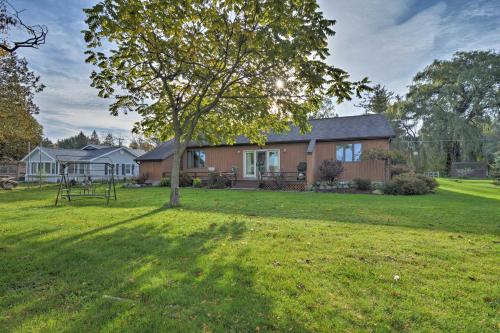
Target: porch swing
(86,180)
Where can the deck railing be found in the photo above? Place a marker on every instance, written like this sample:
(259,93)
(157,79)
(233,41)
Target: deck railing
(203,175)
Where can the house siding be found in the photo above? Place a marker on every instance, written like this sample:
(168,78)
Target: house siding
(223,158)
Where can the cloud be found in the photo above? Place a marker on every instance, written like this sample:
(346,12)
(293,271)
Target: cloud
(386,40)
(389,41)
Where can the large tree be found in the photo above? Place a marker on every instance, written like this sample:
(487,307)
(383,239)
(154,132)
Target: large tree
(456,102)
(18,127)
(211,70)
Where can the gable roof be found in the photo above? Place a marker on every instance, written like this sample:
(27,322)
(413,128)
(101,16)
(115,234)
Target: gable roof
(93,146)
(370,126)
(87,155)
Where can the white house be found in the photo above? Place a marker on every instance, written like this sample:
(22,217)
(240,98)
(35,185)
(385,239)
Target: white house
(46,163)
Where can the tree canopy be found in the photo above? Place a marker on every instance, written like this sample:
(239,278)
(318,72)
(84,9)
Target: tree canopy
(450,113)
(18,127)
(211,70)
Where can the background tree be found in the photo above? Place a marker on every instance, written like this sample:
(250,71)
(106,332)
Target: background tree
(455,101)
(211,70)
(18,127)
(10,19)
(109,140)
(139,142)
(94,138)
(327,110)
(47,143)
(377,100)
(74,142)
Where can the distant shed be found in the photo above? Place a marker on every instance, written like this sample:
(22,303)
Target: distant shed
(469,169)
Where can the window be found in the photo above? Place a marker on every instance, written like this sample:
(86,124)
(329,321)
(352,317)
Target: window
(127,169)
(255,161)
(34,168)
(195,159)
(71,168)
(273,161)
(350,152)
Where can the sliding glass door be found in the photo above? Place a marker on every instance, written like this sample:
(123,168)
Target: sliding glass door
(255,161)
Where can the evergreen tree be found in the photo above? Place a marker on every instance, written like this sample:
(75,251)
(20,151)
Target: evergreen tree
(109,140)
(94,138)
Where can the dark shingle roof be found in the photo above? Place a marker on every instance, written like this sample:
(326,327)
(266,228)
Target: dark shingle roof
(369,126)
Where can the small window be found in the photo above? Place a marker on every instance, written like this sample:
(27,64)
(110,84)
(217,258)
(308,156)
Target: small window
(349,152)
(195,159)
(127,169)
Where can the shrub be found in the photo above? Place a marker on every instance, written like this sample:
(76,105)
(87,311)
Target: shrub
(185,180)
(197,182)
(429,181)
(362,184)
(406,185)
(395,156)
(216,180)
(330,170)
(164,181)
(398,169)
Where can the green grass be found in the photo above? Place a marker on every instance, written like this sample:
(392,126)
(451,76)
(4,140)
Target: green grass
(252,261)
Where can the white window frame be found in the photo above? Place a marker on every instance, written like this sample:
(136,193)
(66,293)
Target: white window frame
(254,152)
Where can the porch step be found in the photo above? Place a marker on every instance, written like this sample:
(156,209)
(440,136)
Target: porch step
(245,184)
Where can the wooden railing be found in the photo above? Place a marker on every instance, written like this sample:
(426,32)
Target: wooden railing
(203,175)
(283,176)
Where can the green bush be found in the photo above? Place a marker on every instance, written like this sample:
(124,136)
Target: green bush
(429,181)
(362,184)
(165,182)
(406,185)
(185,180)
(197,182)
(400,169)
(216,180)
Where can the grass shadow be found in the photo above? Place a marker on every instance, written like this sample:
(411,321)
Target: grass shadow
(138,278)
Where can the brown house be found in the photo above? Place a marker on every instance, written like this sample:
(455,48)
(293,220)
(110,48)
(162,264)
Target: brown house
(295,156)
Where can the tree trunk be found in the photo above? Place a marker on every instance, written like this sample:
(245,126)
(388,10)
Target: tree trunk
(174,178)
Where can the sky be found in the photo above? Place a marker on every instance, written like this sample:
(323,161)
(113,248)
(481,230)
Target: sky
(388,41)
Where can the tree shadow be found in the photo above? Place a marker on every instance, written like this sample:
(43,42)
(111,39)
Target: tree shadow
(428,212)
(140,278)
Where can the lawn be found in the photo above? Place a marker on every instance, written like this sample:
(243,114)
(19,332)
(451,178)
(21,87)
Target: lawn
(252,261)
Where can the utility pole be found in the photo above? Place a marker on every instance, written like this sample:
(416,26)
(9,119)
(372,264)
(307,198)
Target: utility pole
(27,173)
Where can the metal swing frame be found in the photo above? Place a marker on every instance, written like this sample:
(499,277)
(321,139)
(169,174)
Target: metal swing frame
(88,190)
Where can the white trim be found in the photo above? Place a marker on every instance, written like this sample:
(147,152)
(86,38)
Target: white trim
(90,145)
(255,151)
(114,151)
(38,149)
(245,163)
